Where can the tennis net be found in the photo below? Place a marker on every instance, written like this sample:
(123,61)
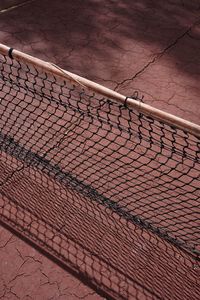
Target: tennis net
(76,153)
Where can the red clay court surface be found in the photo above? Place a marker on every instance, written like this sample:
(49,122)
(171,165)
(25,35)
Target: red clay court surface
(149,46)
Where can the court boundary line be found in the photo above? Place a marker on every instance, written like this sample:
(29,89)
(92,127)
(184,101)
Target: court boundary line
(10,8)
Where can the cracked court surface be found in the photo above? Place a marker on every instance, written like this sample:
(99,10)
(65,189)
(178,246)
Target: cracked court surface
(149,46)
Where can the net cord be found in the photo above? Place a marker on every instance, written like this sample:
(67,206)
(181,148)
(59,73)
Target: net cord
(141,107)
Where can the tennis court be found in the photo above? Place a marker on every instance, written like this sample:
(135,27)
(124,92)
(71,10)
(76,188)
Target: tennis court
(104,184)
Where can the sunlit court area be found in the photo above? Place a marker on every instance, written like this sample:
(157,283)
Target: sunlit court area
(99,149)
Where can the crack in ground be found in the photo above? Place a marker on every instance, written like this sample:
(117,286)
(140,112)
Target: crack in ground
(33,258)
(8,289)
(13,293)
(18,275)
(9,8)
(28,260)
(7,242)
(10,176)
(19,253)
(158,56)
(49,282)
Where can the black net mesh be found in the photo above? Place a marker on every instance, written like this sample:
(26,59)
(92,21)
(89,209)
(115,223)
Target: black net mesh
(109,192)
